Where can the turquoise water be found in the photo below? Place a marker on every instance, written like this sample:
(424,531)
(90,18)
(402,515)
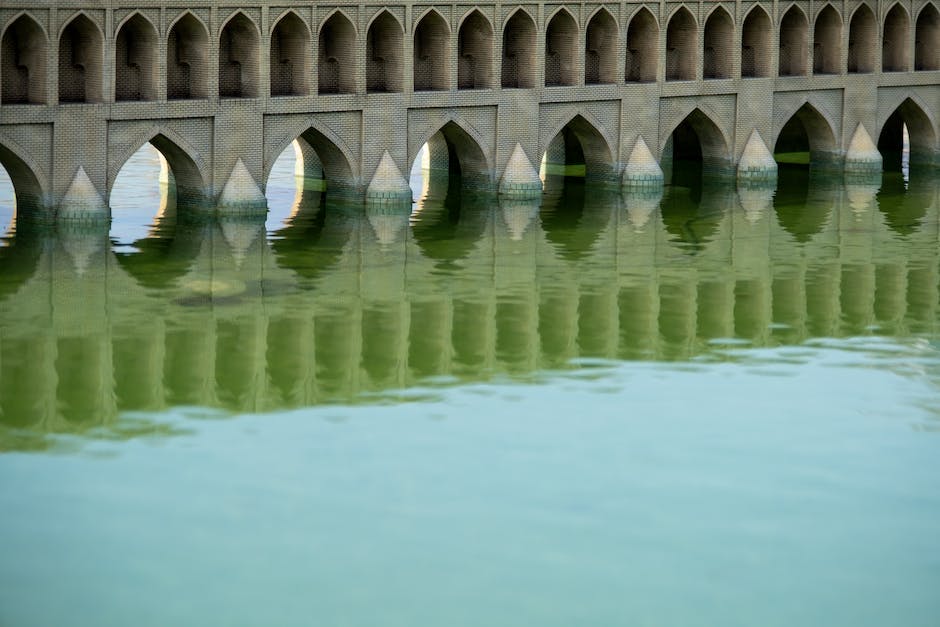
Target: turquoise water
(720,408)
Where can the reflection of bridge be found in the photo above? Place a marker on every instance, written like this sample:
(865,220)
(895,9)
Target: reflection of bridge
(222,91)
(352,302)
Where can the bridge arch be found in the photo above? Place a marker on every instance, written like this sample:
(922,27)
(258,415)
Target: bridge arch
(863,41)
(518,60)
(927,39)
(827,41)
(475,52)
(681,44)
(718,45)
(895,40)
(384,53)
(807,129)
(289,56)
(23,69)
(336,55)
(922,132)
(464,146)
(30,185)
(561,49)
(579,139)
(600,48)
(698,137)
(187,59)
(642,47)
(756,40)
(239,57)
(135,59)
(81,59)
(324,155)
(793,43)
(432,53)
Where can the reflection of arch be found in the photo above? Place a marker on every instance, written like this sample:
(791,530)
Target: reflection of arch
(642,47)
(713,143)
(29,183)
(827,42)
(681,36)
(239,43)
(927,39)
(337,55)
(80,61)
(756,37)
(717,53)
(518,69)
(290,49)
(187,59)
(23,62)
(863,38)
(597,154)
(895,54)
(922,133)
(384,57)
(465,145)
(431,53)
(600,48)
(335,159)
(188,169)
(135,60)
(808,127)
(561,50)
(792,54)
(475,52)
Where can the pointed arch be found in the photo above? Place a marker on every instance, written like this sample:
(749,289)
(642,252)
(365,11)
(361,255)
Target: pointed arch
(713,144)
(581,132)
(475,52)
(681,43)
(337,55)
(793,47)
(81,58)
(927,40)
(464,145)
(289,56)
(189,170)
(23,62)
(922,133)
(335,159)
(642,48)
(384,54)
(561,50)
(239,45)
(600,48)
(187,59)
(807,129)
(863,41)
(135,60)
(29,183)
(432,53)
(756,38)
(827,41)
(895,40)
(518,62)
(718,42)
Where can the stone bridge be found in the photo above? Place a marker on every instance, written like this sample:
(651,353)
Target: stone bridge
(492,89)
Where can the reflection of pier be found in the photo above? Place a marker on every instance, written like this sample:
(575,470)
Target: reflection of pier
(367,302)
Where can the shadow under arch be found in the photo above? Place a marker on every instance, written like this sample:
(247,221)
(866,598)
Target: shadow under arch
(23,66)
(921,133)
(187,182)
(806,138)
(696,149)
(323,158)
(578,148)
(28,187)
(456,159)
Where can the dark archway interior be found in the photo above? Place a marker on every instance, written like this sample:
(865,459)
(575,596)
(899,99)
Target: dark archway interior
(891,142)
(792,148)
(687,160)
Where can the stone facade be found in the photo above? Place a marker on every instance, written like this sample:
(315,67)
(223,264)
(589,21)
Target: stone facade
(212,86)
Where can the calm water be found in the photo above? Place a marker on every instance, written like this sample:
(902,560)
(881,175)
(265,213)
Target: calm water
(717,408)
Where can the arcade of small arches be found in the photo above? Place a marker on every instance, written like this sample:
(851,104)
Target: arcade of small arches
(182,64)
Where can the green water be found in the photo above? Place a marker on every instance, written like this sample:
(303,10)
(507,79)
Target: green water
(717,408)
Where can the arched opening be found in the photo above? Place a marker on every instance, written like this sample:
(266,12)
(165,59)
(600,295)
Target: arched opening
(895,41)
(142,199)
(756,34)
(319,164)
(27,192)
(475,53)
(927,40)
(80,62)
(642,48)
(238,58)
(600,49)
(290,51)
(681,42)
(696,148)
(827,42)
(432,54)
(793,30)
(863,36)
(135,58)
(518,70)
(384,55)
(561,50)
(7,203)
(337,56)
(907,138)
(578,151)
(806,139)
(451,159)
(187,60)
(717,52)
(23,63)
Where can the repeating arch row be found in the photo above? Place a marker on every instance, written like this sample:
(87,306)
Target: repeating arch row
(444,60)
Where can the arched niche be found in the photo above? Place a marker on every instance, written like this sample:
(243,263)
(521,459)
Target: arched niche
(239,44)
(791,60)
(289,57)
(718,42)
(135,60)
(681,44)
(895,55)
(384,57)
(927,40)
(756,41)
(432,54)
(475,53)
(827,42)
(337,56)
(561,50)
(642,48)
(80,62)
(600,49)
(518,59)
(187,60)
(863,41)
(23,63)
